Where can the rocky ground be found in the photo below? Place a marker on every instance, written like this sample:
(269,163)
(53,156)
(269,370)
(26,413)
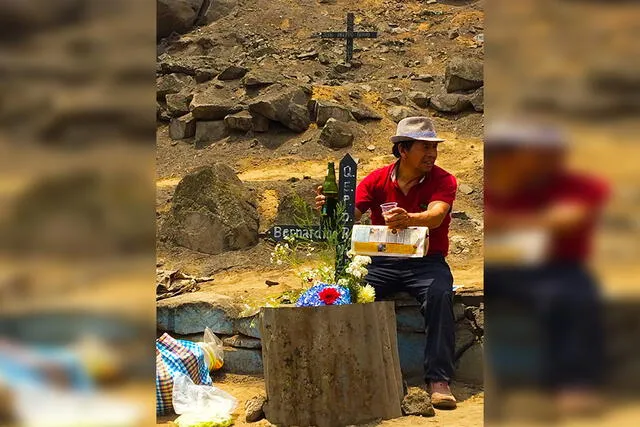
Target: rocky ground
(257,107)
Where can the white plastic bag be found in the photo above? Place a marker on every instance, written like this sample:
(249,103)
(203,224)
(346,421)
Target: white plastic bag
(201,405)
(213,350)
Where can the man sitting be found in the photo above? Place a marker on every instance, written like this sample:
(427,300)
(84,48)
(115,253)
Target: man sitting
(424,194)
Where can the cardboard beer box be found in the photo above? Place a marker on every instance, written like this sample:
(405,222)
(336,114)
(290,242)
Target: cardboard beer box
(380,240)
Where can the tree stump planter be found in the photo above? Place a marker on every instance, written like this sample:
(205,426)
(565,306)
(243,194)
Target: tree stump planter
(332,365)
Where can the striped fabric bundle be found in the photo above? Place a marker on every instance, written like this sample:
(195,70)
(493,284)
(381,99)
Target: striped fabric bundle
(174,356)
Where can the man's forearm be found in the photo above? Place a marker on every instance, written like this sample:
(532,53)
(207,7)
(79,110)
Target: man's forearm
(429,218)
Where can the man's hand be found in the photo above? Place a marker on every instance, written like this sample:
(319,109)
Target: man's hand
(320,198)
(397,218)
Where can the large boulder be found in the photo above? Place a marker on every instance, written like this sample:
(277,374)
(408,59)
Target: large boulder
(336,134)
(451,102)
(421,99)
(259,78)
(246,121)
(211,105)
(178,103)
(397,98)
(232,72)
(182,127)
(326,110)
(364,112)
(192,312)
(212,212)
(210,131)
(176,16)
(463,74)
(283,103)
(477,100)
(190,65)
(172,83)
(401,112)
(218,9)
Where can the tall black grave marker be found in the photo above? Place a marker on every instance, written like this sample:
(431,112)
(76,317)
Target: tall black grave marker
(346,195)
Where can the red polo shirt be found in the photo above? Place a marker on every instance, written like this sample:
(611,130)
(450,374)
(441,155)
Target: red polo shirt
(381,186)
(565,187)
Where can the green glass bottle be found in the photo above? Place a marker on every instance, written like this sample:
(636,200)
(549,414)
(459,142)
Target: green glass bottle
(330,190)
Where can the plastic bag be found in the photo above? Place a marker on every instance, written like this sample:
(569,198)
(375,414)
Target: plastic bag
(202,420)
(201,405)
(213,350)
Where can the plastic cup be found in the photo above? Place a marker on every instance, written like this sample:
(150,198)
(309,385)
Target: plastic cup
(386,207)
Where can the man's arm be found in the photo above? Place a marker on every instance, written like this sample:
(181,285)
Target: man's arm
(432,217)
(358,215)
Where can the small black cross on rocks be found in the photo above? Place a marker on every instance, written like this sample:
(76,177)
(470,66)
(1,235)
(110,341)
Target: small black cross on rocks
(349,35)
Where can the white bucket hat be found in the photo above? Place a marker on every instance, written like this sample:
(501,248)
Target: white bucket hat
(415,129)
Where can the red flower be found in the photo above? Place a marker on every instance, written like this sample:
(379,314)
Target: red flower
(329,295)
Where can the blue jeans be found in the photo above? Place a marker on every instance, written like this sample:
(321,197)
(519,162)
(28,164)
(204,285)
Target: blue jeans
(429,280)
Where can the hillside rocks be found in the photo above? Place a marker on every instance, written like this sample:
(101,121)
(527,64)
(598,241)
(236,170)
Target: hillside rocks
(336,134)
(325,110)
(212,211)
(363,112)
(172,83)
(421,99)
(181,16)
(401,112)
(477,100)
(190,65)
(450,102)
(286,104)
(210,105)
(182,127)
(259,78)
(232,72)
(246,121)
(178,103)
(176,16)
(463,74)
(210,131)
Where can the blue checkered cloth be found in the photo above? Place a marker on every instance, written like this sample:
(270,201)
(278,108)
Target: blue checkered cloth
(173,356)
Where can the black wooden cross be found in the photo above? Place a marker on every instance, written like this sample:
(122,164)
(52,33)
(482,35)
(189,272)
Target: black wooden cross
(347,193)
(349,35)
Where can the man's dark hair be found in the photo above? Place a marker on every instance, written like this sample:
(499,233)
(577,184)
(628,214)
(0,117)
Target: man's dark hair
(405,144)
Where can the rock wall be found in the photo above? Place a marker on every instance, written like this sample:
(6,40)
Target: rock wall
(191,313)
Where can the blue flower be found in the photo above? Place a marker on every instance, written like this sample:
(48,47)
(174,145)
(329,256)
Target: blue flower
(311,298)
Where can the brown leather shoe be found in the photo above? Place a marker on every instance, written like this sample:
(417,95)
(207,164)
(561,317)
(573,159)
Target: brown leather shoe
(441,396)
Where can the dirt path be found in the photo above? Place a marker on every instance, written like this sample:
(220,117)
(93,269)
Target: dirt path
(468,414)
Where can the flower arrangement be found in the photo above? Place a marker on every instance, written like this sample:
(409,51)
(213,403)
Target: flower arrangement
(322,287)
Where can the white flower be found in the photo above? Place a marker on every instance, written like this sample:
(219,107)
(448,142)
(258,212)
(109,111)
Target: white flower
(343,282)
(362,260)
(351,253)
(366,294)
(279,262)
